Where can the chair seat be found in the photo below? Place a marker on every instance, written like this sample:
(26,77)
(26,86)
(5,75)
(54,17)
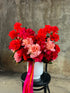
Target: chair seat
(44,81)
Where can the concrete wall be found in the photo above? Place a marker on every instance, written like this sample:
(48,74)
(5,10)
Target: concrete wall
(35,14)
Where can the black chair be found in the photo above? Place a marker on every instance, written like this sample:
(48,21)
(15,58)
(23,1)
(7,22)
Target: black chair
(43,83)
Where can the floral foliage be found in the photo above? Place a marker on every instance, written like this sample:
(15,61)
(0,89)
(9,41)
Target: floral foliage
(28,46)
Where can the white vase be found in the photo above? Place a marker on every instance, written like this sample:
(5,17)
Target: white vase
(38,70)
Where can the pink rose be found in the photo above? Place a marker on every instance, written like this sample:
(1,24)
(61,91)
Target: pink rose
(17,58)
(34,50)
(27,42)
(50,45)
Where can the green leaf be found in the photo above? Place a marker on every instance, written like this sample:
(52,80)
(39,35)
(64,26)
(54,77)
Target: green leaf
(26,27)
(13,55)
(50,62)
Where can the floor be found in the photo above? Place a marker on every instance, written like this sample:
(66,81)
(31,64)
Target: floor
(11,83)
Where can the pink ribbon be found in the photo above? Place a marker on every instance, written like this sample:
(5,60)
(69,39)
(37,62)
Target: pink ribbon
(28,83)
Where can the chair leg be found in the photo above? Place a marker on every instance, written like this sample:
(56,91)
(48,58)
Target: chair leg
(45,90)
(48,89)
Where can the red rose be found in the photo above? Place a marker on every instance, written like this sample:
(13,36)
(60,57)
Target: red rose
(55,29)
(42,45)
(30,32)
(48,52)
(54,37)
(40,39)
(21,32)
(13,34)
(20,52)
(57,48)
(17,25)
(48,28)
(15,44)
(42,32)
(39,58)
(48,55)
(25,56)
(54,55)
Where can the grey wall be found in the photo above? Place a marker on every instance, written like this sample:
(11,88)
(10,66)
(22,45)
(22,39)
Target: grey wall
(35,14)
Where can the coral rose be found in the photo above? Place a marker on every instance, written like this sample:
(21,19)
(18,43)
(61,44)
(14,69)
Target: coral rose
(50,45)
(27,42)
(34,50)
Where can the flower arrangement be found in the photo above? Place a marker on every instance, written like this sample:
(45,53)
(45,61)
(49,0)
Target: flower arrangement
(28,46)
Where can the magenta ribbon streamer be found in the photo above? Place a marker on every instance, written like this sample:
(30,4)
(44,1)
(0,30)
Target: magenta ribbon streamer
(27,88)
